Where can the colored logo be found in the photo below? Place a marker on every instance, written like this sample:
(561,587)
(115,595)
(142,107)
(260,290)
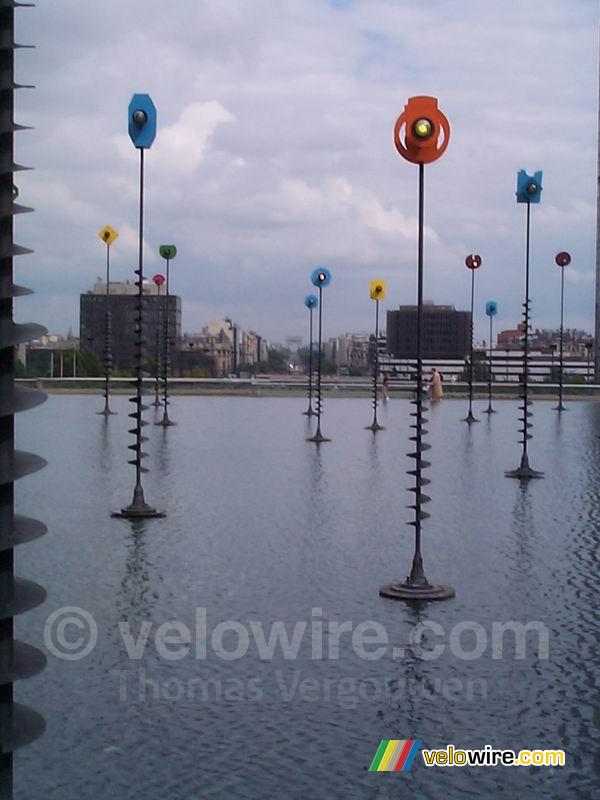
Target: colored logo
(395,755)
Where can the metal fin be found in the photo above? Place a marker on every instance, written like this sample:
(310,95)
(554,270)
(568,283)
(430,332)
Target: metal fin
(24,529)
(21,597)
(27,726)
(22,464)
(25,662)
(23,399)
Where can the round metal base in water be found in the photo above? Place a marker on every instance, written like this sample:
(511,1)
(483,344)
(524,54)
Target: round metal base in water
(137,512)
(405,591)
(524,473)
(318,438)
(166,423)
(375,426)
(470,418)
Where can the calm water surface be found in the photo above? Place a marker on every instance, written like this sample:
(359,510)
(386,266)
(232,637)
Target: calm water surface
(264,527)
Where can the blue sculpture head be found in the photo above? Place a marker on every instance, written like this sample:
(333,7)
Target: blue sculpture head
(529,187)
(320,277)
(491,308)
(311,301)
(142,121)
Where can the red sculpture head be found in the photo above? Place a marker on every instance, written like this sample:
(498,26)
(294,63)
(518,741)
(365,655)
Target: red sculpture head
(418,130)
(473,262)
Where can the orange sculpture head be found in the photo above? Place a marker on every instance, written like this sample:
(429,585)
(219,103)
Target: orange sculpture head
(421,132)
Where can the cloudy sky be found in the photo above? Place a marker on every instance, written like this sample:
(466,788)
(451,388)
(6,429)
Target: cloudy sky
(274,153)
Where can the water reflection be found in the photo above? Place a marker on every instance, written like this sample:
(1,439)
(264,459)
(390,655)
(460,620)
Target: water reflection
(105,449)
(523,529)
(135,597)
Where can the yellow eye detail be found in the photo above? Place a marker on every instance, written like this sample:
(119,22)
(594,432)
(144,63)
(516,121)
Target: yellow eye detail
(423,128)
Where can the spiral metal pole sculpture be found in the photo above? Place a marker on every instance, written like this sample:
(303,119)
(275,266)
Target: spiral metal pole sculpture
(168,252)
(421,135)
(377,293)
(472,262)
(491,309)
(158,281)
(528,191)
(562,260)
(108,235)
(311,302)
(320,277)
(142,130)
(19,724)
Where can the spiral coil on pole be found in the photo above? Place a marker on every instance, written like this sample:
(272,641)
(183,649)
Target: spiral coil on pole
(157,364)
(524,471)
(416,586)
(166,363)
(138,507)
(137,400)
(108,362)
(320,277)
(19,724)
(375,426)
(421,446)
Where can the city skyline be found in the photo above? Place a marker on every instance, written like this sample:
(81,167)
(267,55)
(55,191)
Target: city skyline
(274,154)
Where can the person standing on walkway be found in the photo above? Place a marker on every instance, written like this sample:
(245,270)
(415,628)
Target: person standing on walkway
(436,391)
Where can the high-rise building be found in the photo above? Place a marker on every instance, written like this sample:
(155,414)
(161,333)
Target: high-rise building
(122,302)
(446,332)
(350,350)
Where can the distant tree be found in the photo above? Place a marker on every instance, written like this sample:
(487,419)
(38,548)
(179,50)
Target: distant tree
(121,372)
(328,365)
(198,372)
(304,356)
(252,369)
(150,364)
(88,364)
(278,360)
(554,375)
(481,368)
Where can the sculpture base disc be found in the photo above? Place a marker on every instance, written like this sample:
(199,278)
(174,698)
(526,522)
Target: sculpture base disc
(138,512)
(166,423)
(524,473)
(318,438)
(374,426)
(560,407)
(405,591)
(470,418)
(309,413)
(490,410)
(107,413)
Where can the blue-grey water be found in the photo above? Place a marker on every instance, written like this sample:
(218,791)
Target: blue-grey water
(263,527)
